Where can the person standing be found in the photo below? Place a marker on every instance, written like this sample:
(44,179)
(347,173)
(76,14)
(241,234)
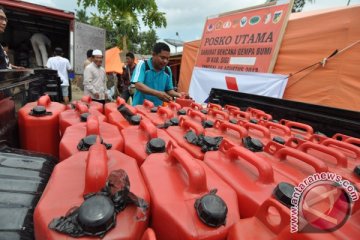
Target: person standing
(153,78)
(124,85)
(95,78)
(62,66)
(40,42)
(89,58)
(4,60)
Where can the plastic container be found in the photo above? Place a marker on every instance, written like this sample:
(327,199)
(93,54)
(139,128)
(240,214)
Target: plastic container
(184,102)
(178,133)
(83,173)
(149,234)
(345,138)
(257,131)
(232,132)
(182,207)
(39,126)
(118,120)
(112,106)
(157,115)
(215,114)
(74,134)
(299,130)
(258,114)
(77,115)
(278,132)
(251,176)
(143,140)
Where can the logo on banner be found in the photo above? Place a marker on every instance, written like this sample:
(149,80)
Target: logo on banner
(235,23)
(227,24)
(277,16)
(254,20)
(267,18)
(218,25)
(243,21)
(210,27)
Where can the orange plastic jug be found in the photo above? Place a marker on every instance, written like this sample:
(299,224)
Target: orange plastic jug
(149,234)
(83,173)
(86,133)
(231,132)
(299,130)
(92,104)
(112,106)
(258,114)
(182,207)
(184,102)
(77,115)
(39,126)
(348,139)
(143,140)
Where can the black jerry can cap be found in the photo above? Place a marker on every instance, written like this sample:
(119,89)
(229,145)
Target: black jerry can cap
(154,109)
(254,121)
(38,111)
(208,124)
(278,139)
(84,117)
(156,145)
(174,121)
(204,111)
(181,112)
(253,144)
(211,209)
(233,121)
(357,171)
(135,120)
(97,214)
(283,193)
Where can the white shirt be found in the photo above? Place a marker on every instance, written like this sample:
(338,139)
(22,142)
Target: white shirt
(95,81)
(62,65)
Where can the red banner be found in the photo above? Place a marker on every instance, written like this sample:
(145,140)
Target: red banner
(246,41)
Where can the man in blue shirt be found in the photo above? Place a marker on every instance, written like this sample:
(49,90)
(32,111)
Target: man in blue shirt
(153,79)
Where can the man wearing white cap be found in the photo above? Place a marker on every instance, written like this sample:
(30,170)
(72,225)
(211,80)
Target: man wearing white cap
(95,78)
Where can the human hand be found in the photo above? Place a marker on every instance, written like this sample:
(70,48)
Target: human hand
(163,96)
(97,96)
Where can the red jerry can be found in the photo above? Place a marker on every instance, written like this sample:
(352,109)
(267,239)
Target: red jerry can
(143,140)
(157,115)
(257,131)
(196,116)
(77,115)
(117,119)
(231,108)
(83,173)
(149,234)
(251,176)
(279,133)
(113,106)
(39,126)
(348,139)
(214,106)
(299,130)
(178,133)
(92,104)
(184,102)
(259,114)
(238,115)
(194,106)
(181,205)
(214,114)
(175,107)
(231,132)
(85,133)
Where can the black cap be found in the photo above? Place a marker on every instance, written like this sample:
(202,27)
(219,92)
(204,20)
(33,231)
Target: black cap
(181,112)
(204,111)
(253,144)
(154,109)
(283,193)
(135,120)
(84,117)
(97,214)
(39,111)
(174,121)
(89,140)
(253,120)
(233,121)
(274,121)
(211,210)
(320,133)
(208,124)
(279,140)
(357,170)
(156,145)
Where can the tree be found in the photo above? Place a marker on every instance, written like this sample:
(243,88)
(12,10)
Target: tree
(82,16)
(122,16)
(145,42)
(298,4)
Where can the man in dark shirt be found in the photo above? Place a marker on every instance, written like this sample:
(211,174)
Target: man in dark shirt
(124,86)
(4,60)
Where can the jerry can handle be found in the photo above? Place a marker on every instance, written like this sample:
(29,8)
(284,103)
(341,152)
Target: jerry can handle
(174,106)
(339,156)
(231,108)
(271,125)
(120,101)
(149,128)
(344,145)
(266,172)
(224,126)
(307,128)
(316,138)
(193,114)
(81,108)
(282,211)
(241,114)
(195,172)
(188,124)
(96,168)
(262,129)
(317,164)
(214,106)
(92,126)
(255,111)
(165,111)
(353,140)
(86,99)
(44,101)
(215,113)
(264,116)
(226,145)
(148,104)
(196,106)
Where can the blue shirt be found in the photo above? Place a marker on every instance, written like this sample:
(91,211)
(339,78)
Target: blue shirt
(160,81)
